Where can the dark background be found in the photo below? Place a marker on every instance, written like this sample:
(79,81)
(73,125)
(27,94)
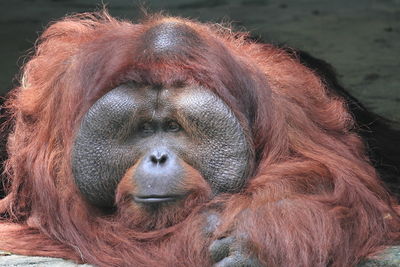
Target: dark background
(360,38)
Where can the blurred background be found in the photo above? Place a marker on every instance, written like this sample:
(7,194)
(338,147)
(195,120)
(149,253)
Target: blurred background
(360,38)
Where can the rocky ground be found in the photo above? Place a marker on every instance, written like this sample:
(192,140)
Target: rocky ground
(360,38)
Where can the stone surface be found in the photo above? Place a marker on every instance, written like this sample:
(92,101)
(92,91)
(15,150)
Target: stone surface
(11,260)
(390,257)
(387,258)
(360,38)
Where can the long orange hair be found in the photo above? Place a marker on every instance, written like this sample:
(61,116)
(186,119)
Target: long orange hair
(314,198)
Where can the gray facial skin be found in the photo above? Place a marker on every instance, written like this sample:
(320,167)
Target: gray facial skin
(169,39)
(156,129)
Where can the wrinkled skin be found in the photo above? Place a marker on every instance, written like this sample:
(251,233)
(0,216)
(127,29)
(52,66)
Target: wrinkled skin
(153,129)
(131,124)
(230,250)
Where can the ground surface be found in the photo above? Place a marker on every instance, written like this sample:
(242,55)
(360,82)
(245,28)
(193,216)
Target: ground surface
(388,258)
(360,38)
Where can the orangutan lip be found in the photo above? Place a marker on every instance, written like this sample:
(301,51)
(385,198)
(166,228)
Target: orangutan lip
(154,199)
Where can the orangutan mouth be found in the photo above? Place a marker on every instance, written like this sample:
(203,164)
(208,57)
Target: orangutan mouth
(153,199)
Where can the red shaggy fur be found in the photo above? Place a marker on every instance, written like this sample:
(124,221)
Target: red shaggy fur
(135,217)
(313,200)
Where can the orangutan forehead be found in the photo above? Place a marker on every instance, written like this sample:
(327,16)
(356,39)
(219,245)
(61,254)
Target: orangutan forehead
(154,99)
(169,38)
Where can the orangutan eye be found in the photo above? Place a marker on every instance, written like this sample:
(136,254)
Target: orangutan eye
(147,128)
(173,126)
